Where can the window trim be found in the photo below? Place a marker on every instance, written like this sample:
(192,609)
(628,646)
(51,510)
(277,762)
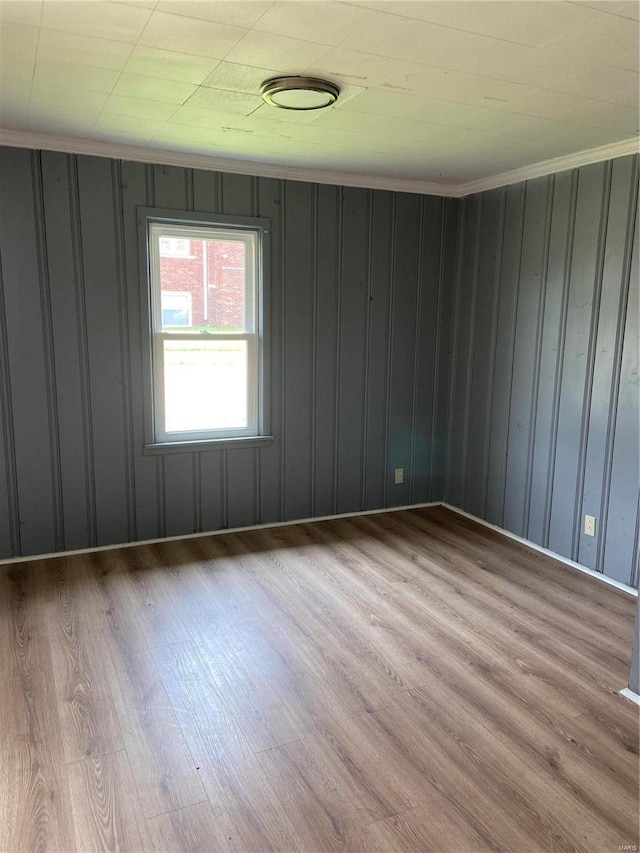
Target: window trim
(153,443)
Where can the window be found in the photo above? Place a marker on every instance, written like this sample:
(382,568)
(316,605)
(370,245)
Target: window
(174,247)
(206,319)
(176,308)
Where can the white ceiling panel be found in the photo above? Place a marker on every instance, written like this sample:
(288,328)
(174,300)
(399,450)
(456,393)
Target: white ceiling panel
(237,78)
(237,13)
(139,108)
(17,40)
(126,127)
(543,103)
(66,75)
(399,128)
(598,81)
(301,20)
(113,21)
(522,22)
(275,52)
(169,65)
(224,101)
(143,4)
(15,69)
(329,138)
(630,61)
(605,115)
(82,50)
(191,36)
(612,7)
(16,92)
(591,46)
(630,10)
(393,74)
(20,12)
(153,88)
(128,124)
(440,91)
(48,98)
(266,116)
(628,97)
(195,117)
(391,105)
(428,44)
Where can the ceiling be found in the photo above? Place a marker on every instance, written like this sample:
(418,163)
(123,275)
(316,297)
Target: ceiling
(433,94)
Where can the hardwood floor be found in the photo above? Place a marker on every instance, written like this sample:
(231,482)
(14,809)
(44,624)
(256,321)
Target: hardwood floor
(408,681)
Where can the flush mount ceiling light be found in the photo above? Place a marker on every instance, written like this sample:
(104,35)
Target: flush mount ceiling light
(299,93)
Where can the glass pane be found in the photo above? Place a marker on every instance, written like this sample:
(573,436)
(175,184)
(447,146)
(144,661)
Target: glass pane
(205,385)
(176,309)
(209,277)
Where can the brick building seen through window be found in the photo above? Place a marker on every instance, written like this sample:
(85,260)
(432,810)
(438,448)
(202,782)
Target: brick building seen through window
(202,283)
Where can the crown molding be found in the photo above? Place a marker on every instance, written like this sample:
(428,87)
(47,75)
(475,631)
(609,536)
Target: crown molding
(166,157)
(550,167)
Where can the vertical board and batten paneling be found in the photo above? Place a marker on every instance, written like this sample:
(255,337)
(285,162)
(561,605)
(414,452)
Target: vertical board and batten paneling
(239,199)
(500,398)
(270,506)
(353,280)
(489,347)
(379,312)
(138,191)
(584,280)
(554,312)
(621,535)
(71,369)
(296,346)
(424,444)
(405,274)
(325,285)
(524,373)
(464,329)
(357,282)
(451,217)
(102,269)
(484,352)
(559,424)
(28,354)
(606,363)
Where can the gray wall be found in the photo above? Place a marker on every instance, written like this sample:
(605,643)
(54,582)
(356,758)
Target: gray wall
(543,373)
(357,278)
(488,346)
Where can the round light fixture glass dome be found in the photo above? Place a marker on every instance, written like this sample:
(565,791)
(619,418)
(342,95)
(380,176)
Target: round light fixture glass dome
(299,93)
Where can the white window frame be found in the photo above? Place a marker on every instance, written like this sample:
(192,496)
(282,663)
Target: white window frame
(253,233)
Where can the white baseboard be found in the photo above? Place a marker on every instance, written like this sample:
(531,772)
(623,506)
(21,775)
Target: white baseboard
(135,544)
(578,566)
(630,695)
(628,589)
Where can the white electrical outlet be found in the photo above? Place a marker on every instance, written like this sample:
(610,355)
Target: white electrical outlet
(399,476)
(589,525)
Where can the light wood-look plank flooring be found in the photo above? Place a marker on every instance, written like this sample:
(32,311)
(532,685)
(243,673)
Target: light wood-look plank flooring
(400,682)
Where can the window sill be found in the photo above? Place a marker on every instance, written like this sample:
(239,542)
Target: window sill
(162,447)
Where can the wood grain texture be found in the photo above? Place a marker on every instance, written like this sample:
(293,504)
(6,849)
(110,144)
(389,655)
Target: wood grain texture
(408,681)
(34,799)
(106,811)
